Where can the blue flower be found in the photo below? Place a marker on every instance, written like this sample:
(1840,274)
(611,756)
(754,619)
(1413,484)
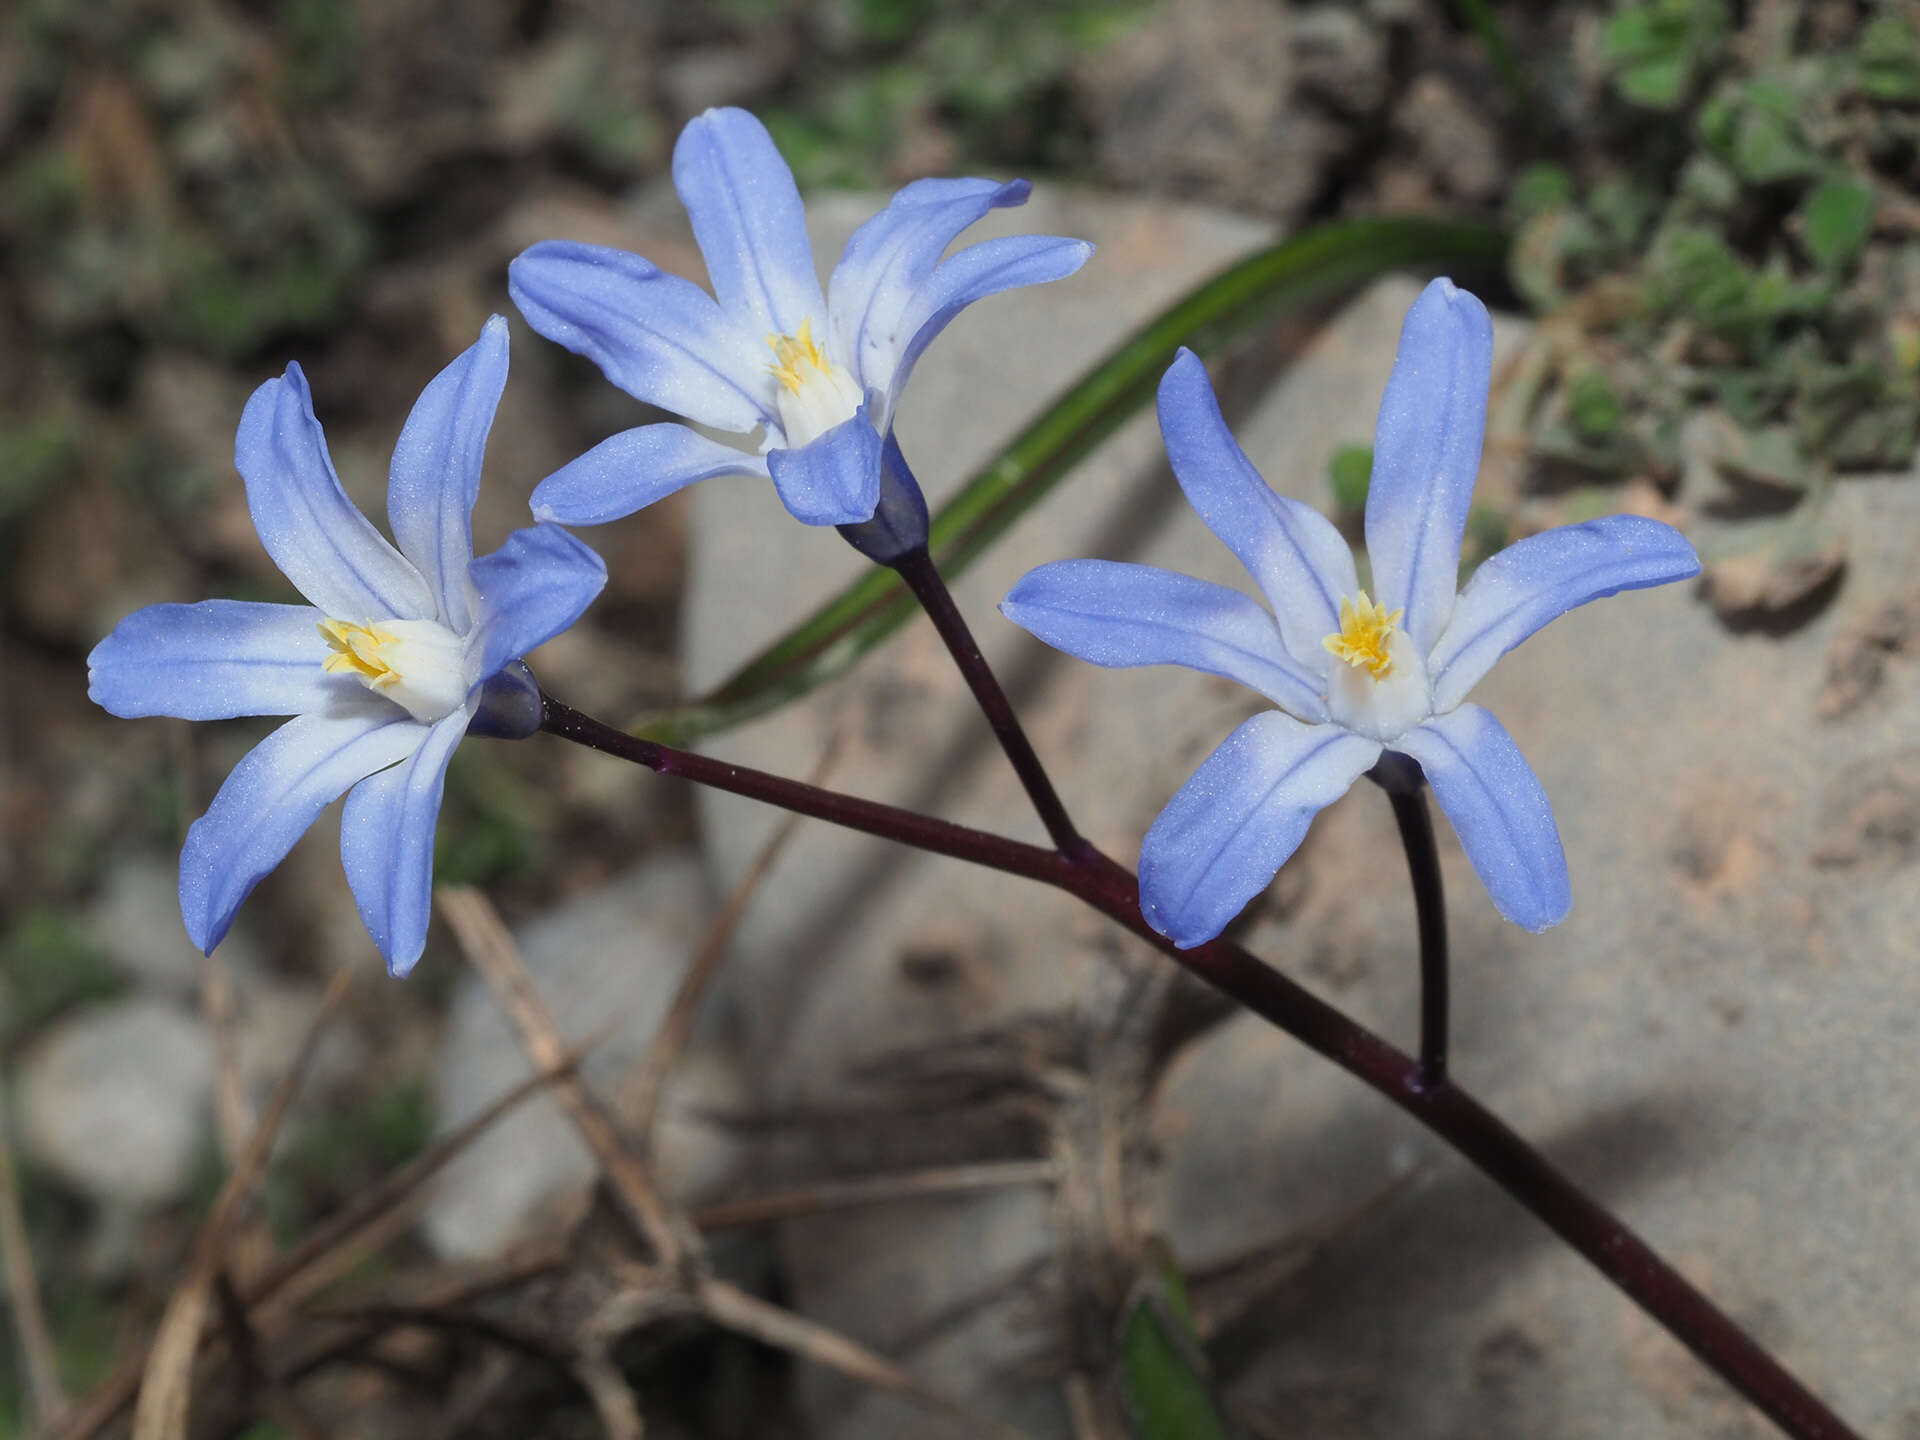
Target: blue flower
(382,672)
(1352,677)
(820,374)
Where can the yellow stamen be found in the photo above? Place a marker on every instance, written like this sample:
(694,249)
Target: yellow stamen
(1365,629)
(356,648)
(796,355)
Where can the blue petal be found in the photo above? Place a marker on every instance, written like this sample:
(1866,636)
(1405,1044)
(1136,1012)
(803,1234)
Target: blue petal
(529,590)
(748,220)
(1426,453)
(327,548)
(386,844)
(273,795)
(975,273)
(213,661)
(1117,615)
(631,470)
(890,257)
(1542,577)
(435,476)
(1499,812)
(658,337)
(833,480)
(1292,551)
(1229,829)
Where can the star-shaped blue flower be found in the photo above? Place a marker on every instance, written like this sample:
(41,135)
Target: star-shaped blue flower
(383,671)
(818,374)
(1351,677)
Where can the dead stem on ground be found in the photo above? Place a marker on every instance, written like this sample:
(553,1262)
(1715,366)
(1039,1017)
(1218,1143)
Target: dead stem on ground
(167,1386)
(639,1096)
(23,1296)
(680,1283)
(231,1118)
(325,1254)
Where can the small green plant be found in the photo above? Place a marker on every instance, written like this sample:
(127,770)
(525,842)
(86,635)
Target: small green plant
(1725,257)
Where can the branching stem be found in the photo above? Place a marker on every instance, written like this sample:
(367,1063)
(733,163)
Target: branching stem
(1445,1109)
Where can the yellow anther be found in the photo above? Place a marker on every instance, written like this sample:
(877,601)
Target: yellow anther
(356,649)
(1365,629)
(796,355)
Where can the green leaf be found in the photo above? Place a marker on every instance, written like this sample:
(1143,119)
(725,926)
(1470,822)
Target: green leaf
(1349,475)
(1536,190)
(1658,48)
(1656,84)
(1593,405)
(1326,261)
(1162,1367)
(51,965)
(1838,217)
(1889,60)
(1767,148)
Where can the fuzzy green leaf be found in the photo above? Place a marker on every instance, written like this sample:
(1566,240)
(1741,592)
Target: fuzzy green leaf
(1838,217)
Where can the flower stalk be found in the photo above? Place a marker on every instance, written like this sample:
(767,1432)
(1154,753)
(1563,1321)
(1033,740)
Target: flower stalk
(1449,1112)
(922,577)
(1406,790)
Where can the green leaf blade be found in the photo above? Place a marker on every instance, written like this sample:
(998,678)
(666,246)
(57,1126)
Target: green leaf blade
(1327,261)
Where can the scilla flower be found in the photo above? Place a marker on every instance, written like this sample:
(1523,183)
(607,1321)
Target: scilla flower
(818,374)
(1353,674)
(383,671)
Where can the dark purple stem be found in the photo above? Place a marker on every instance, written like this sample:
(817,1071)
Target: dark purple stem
(1445,1109)
(916,567)
(1406,788)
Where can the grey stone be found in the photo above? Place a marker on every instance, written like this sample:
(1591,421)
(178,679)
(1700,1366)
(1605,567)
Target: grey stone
(136,922)
(1199,100)
(116,1100)
(605,962)
(1451,137)
(271,1019)
(707,75)
(1341,59)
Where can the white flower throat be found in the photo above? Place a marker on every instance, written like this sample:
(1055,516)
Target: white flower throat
(1380,689)
(420,665)
(815,394)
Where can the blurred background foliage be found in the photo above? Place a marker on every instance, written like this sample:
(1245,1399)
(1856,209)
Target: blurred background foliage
(1715,221)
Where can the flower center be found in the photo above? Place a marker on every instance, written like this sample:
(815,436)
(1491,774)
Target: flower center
(1363,636)
(417,664)
(815,394)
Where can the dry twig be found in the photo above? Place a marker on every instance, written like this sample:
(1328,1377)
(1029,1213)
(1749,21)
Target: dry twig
(872,1190)
(490,949)
(749,1315)
(23,1296)
(167,1386)
(231,1120)
(671,1288)
(330,1249)
(640,1096)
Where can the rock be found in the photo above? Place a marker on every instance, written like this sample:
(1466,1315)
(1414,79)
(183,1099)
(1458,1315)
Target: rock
(116,1100)
(606,961)
(1341,60)
(271,1020)
(1198,100)
(702,76)
(1454,141)
(1712,1042)
(136,922)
